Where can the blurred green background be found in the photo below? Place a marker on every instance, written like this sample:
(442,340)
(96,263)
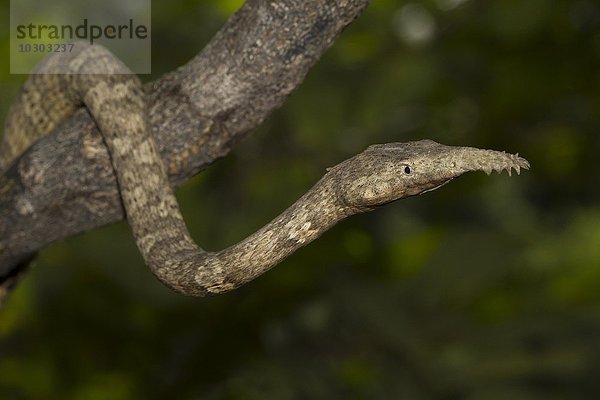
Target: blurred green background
(488,288)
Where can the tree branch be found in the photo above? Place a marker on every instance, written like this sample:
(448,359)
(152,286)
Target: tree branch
(64,184)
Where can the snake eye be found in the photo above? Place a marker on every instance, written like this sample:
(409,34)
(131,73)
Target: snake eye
(408,170)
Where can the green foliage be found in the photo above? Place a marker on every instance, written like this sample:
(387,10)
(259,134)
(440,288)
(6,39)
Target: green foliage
(488,288)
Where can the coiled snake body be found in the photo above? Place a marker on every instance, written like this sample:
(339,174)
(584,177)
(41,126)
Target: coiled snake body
(91,77)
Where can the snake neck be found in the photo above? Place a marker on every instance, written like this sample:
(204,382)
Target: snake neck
(301,223)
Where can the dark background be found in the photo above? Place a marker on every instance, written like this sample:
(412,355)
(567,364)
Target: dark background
(488,288)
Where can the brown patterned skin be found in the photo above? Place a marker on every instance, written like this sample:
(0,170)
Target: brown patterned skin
(96,80)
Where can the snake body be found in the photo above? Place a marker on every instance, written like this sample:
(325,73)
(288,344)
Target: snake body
(93,78)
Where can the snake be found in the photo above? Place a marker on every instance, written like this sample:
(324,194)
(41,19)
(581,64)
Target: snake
(91,77)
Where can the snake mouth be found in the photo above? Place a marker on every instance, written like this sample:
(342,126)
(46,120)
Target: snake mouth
(436,187)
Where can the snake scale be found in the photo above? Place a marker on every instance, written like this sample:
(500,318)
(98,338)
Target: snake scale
(92,77)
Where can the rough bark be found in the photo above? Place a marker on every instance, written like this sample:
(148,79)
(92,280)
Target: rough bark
(64,184)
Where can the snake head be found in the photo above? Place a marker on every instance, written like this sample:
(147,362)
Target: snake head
(388,172)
